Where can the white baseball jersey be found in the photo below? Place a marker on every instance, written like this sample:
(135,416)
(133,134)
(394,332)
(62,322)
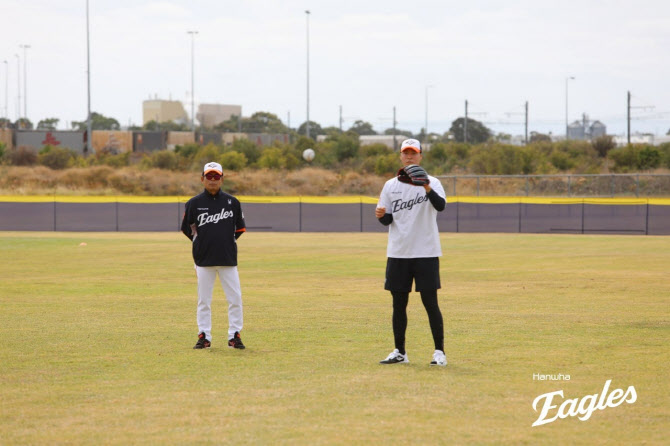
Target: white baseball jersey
(413,232)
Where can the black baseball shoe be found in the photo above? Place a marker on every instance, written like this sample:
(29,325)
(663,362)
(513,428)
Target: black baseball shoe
(202,342)
(395,358)
(236,341)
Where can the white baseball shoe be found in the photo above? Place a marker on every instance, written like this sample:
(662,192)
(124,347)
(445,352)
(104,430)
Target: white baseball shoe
(439,358)
(395,358)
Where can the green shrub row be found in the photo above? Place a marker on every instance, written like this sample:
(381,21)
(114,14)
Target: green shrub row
(343,152)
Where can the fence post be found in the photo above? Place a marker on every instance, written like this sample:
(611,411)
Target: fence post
(458,204)
(178,216)
(526,185)
(569,179)
(646,220)
(300,214)
(637,186)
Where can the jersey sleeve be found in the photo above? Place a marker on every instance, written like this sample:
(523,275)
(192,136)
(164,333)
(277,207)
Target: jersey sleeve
(187,220)
(383,198)
(240,224)
(437,187)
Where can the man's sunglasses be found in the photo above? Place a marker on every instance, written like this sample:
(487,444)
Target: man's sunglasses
(213,176)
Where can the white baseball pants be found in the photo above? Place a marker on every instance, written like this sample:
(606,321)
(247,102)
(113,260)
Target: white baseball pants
(230,281)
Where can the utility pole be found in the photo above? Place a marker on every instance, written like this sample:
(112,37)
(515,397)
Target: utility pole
(628,117)
(567,133)
(193,33)
(18,88)
(89,125)
(25,79)
(465,123)
(340,118)
(526,125)
(307,125)
(6,88)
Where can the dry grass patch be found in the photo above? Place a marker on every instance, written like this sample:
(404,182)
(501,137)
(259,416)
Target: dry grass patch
(105,180)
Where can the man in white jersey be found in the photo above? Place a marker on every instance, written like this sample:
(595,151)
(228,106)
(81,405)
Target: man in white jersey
(408,205)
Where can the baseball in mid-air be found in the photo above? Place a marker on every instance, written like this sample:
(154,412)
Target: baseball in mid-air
(308,155)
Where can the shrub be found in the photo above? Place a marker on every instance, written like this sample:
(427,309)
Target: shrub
(649,158)
(56,158)
(187,150)
(292,157)
(664,149)
(304,143)
(435,159)
(499,159)
(636,157)
(161,159)
(625,158)
(248,148)
(112,160)
(458,155)
(271,159)
(561,160)
(387,164)
(206,154)
(375,149)
(233,161)
(346,147)
(603,144)
(325,154)
(291,161)
(22,156)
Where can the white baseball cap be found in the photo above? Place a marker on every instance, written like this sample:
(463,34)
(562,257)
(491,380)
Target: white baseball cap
(212,167)
(411,144)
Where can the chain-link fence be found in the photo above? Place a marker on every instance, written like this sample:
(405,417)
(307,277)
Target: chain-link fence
(610,185)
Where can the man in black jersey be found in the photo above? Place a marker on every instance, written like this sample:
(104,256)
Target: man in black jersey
(213,221)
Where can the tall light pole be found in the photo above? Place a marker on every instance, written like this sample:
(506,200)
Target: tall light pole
(89,125)
(6,88)
(193,33)
(18,87)
(566,105)
(25,79)
(307,126)
(426,126)
(465,123)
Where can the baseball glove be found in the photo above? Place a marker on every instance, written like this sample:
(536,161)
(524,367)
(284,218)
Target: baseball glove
(417,175)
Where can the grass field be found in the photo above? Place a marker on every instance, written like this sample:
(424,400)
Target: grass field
(97,341)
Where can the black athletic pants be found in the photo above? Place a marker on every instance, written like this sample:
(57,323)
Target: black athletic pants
(429,299)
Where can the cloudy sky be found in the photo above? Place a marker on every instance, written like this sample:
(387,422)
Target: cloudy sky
(365,56)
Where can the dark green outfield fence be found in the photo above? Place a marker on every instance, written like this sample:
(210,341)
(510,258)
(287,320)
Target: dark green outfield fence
(650,216)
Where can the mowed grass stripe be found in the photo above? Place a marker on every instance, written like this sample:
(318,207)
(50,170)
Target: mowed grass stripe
(97,341)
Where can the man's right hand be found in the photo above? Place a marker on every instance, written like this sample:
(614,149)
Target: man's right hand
(380,211)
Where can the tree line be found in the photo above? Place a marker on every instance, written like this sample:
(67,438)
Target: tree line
(265,122)
(343,152)
(472,131)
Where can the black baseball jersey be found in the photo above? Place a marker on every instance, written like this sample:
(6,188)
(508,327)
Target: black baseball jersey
(213,223)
